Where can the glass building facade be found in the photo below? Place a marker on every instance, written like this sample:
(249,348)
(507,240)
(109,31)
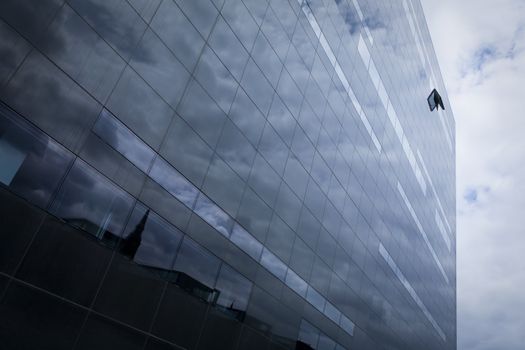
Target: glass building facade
(224,174)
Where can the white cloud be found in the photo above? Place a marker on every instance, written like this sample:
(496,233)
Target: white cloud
(481,49)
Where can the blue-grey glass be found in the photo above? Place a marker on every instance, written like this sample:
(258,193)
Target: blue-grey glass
(325,343)
(267,60)
(302,259)
(321,172)
(332,313)
(173,182)
(89,201)
(234,289)
(213,215)
(145,8)
(264,180)
(187,151)
(202,113)
(320,277)
(236,150)
(331,219)
(290,93)
(260,93)
(245,114)
(275,33)
(157,65)
(281,119)
(315,299)
(273,149)
(177,33)
(254,214)
(296,176)
(326,247)
(244,240)
(159,240)
(309,227)
(286,16)
(31,164)
(76,48)
(138,106)
(229,49)
(164,203)
(123,140)
(112,164)
(223,186)
(308,334)
(13,49)
(296,283)
(257,9)
(241,22)
(303,45)
(288,206)
(288,127)
(29,18)
(273,264)
(117,22)
(280,239)
(197,263)
(298,70)
(55,103)
(216,79)
(201,13)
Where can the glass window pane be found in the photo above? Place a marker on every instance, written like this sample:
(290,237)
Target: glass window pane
(308,334)
(242,239)
(197,263)
(213,215)
(54,103)
(156,64)
(296,283)
(273,264)
(177,32)
(118,23)
(31,164)
(149,240)
(91,202)
(332,313)
(173,182)
(234,290)
(316,299)
(123,140)
(138,106)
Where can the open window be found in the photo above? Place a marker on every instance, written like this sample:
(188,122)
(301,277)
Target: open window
(434,101)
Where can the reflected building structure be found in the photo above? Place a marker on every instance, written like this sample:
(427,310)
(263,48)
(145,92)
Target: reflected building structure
(224,174)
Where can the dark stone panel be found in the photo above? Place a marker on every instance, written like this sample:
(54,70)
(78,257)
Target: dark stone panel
(180,318)
(219,329)
(130,293)
(252,340)
(65,261)
(3,284)
(155,344)
(103,334)
(32,319)
(19,221)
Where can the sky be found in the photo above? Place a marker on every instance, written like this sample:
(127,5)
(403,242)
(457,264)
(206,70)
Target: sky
(480,46)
